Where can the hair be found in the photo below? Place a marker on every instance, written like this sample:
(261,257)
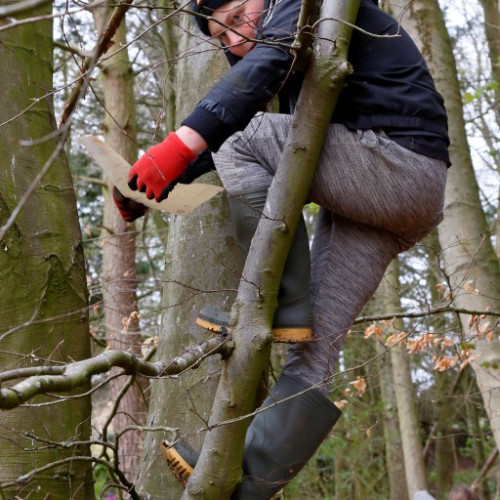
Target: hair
(205,8)
(462,493)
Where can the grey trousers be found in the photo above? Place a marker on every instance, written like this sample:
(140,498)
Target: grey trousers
(377,199)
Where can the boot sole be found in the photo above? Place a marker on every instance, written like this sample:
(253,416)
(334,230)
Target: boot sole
(280,335)
(178,466)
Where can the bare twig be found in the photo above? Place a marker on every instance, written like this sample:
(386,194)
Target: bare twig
(484,470)
(26,478)
(422,314)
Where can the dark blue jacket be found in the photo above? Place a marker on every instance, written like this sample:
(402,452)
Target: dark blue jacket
(390,87)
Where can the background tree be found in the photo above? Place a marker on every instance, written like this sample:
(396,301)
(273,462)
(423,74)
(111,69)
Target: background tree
(119,242)
(44,448)
(203,266)
(470,262)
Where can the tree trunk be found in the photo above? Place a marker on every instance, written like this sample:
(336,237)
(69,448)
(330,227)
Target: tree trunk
(469,258)
(394,456)
(491,9)
(241,373)
(203,268)
(118,267)
(43,305)
(405,392)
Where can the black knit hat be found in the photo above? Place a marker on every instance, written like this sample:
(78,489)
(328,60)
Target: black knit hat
(206,8)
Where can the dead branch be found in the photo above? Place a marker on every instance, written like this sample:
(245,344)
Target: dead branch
(79,373)
(26,478)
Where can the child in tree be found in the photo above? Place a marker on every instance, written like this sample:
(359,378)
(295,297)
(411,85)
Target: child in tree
(379,182)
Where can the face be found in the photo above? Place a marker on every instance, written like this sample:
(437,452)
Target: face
(242,17)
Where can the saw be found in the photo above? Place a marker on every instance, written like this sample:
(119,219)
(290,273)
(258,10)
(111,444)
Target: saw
(181,201)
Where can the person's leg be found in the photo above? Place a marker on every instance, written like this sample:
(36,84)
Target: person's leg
(349,260)
(381,199)
(247,180)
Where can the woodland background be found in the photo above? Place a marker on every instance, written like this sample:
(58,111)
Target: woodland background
(419,381)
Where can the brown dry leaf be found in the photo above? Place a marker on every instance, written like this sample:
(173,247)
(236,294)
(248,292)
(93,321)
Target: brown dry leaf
(484,328)
(360,385)
(374,330)
(422,343)
(126,322)
(443,289)
(148,345)
(396,338)
(340,404)
(467,358)
(447,342)
(473,321)
(470,289)
(445,363)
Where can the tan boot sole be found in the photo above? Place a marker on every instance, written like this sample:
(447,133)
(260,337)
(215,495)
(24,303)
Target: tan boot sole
(282,335)
(179,467)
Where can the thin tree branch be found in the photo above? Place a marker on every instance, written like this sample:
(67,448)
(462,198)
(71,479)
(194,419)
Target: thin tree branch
(484,470)
(422,314)
(79,373)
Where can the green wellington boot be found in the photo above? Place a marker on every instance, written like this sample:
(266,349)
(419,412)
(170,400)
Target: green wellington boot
(281,439)
(293,317)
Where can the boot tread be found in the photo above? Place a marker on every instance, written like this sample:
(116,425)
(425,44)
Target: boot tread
(179,467)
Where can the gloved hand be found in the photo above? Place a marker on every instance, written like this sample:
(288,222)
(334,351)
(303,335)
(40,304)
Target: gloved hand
(161,165)
(130,210)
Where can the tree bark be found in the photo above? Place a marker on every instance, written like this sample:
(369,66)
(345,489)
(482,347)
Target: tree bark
(203,267)
(469,259)
(405,393)
(43,305)
(491,9)
(119,281)
(241,373)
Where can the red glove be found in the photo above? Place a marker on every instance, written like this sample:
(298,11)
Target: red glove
(129,209)
(162,164)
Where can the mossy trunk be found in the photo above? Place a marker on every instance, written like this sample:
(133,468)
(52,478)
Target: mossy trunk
(43,304)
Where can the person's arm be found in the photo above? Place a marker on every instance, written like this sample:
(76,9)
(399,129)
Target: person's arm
(245,89)
(252,82)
